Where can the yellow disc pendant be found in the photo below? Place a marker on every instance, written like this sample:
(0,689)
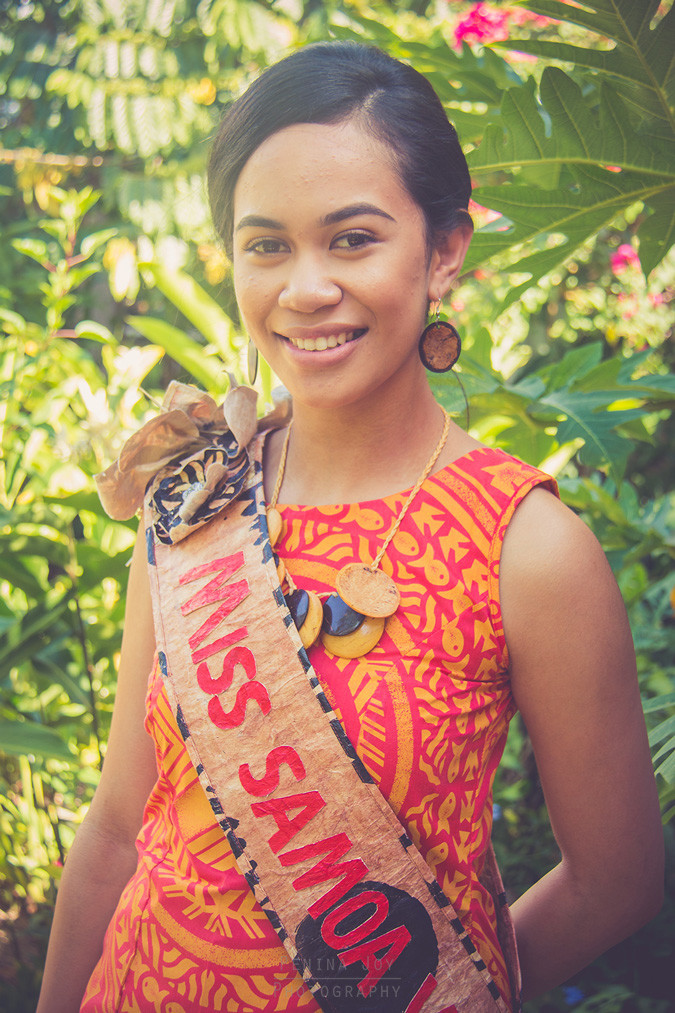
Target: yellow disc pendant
(275,524)
(310,629)
(358,643)
(369,590)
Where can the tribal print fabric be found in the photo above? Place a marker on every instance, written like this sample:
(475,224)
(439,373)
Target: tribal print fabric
(428,711)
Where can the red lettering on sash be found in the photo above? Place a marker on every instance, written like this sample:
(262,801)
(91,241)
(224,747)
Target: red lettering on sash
(233,596)
(219,645)
(276,758)
(232,719)
(339,940)
(422,994)
(395,942)
(237,656)
(309,803)
(227,565)
(333,848)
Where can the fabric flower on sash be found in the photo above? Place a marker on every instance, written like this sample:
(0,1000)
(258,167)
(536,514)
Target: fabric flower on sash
(192,458)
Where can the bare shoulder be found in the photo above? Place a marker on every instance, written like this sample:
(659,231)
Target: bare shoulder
(573,676)
(558,594)
(545,538)
(548,550)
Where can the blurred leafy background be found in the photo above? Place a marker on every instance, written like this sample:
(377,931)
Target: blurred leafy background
(112,284)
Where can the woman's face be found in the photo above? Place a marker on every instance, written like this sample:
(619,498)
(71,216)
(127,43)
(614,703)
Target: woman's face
(331,267)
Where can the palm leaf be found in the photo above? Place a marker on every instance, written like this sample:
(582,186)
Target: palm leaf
(642,62)
(577,195)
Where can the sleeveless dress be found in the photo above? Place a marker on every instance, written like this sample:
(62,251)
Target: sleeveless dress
(428,712)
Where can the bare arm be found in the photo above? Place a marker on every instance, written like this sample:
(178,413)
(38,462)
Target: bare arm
(574,679)
(103,856)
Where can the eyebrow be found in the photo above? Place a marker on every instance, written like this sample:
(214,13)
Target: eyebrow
(333,218)
(351,211)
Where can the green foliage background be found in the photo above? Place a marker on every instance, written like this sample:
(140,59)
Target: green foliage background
(112,283)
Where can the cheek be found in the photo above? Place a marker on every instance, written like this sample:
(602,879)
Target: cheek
(250,292)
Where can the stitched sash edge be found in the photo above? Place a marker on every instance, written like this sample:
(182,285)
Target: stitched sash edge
(476,991)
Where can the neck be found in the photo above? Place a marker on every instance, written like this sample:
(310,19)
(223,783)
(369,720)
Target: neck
(360,452)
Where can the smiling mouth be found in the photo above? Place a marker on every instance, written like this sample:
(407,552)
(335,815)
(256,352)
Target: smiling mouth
(321,343)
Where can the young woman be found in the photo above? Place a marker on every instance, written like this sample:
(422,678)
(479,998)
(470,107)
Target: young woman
(416,584)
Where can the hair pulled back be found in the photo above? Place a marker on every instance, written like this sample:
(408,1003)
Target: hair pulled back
(328,82)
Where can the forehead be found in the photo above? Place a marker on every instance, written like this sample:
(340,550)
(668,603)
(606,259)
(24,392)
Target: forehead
(323,166)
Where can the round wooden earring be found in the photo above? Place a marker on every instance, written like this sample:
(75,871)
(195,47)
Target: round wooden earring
(439,346)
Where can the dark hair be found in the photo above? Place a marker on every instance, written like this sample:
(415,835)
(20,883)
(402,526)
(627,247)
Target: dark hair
(325,83)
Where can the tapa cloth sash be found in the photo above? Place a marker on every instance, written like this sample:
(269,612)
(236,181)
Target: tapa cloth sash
(349,895)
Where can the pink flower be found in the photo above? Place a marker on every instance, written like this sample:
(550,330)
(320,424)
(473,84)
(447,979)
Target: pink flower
(482,24)
(624,257)
(485,23)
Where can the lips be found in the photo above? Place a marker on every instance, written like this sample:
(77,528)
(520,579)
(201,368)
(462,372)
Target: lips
(324,341)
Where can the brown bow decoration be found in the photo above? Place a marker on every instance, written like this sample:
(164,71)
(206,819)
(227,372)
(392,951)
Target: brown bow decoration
(193,455)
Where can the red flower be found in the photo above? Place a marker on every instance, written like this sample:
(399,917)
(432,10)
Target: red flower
(482,24)
(624,257)
(485,23)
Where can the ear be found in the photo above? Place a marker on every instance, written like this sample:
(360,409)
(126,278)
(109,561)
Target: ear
(446,260)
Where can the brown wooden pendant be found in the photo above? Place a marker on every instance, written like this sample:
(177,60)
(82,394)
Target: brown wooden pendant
(351,621)
(368,590)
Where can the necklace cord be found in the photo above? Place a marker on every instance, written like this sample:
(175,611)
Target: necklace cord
(418,485)
(397,523)
(282,466)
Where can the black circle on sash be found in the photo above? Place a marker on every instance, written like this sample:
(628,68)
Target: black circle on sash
(362,924)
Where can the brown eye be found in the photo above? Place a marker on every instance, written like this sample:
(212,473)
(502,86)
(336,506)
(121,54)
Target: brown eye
(353,240)
(266,246)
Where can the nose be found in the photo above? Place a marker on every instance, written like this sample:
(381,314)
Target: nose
(309,286)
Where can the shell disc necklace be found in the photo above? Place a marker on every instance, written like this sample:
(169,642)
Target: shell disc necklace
(351,620)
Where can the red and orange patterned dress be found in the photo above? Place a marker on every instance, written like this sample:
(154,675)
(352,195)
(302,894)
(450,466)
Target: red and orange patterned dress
(427,709)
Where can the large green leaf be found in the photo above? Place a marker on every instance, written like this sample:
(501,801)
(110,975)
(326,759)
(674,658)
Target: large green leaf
(581,401)
(199,308)
(563,162)
(584,130)
(641,64)
(28,737)
(577,194)
(587,417)
(25,636)
(187,352)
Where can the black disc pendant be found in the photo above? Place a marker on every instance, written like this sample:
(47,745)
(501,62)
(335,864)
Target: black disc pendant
(298,606)
(338,618)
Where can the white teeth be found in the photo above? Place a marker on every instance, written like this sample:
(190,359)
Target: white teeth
(321,344)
